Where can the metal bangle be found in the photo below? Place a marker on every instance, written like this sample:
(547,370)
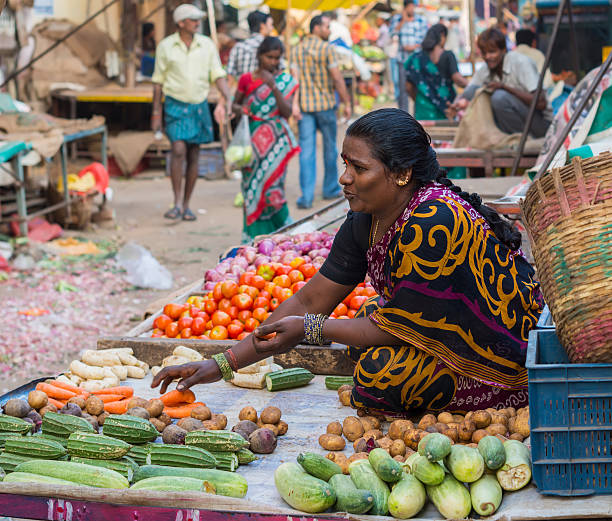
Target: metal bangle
(224,366)
(313,328)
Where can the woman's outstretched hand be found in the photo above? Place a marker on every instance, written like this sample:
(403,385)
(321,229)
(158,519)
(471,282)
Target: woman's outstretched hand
(279,336)
(206,371)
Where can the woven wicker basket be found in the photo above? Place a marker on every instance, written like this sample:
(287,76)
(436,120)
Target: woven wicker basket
(568,214)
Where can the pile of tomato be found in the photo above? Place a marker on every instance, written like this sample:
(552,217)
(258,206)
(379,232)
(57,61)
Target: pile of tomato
(234,309)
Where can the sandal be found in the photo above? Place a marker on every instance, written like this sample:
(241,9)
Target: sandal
(188,215)
(173,213)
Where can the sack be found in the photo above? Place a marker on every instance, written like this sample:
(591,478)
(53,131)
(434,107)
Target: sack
(239,153)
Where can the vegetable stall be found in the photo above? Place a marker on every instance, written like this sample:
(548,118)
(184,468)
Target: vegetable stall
(280,441)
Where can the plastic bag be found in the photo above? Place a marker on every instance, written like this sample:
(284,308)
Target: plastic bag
(239,153)
(142,268)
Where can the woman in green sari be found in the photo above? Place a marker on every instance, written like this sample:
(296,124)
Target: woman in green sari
(266,95)
(431,74)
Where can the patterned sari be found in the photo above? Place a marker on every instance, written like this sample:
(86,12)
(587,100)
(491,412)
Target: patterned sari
(461,301)
(263,181)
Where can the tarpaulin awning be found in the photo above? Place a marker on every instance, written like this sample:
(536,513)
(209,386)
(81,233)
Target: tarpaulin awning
(323,5)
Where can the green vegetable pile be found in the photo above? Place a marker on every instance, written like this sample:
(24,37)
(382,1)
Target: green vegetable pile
(456,478)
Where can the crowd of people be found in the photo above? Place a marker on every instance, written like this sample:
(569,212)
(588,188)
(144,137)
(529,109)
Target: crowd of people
(256,81)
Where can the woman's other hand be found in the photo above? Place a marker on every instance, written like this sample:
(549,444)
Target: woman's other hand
(267,77)
(190,374)
(280,336)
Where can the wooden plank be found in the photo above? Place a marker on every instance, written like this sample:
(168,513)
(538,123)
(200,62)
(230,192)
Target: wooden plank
(327,360)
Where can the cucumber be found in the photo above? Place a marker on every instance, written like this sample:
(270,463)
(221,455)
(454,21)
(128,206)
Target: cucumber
(465,463)
(408,464)
(427,472)
(318,466)
(450,497)
(171,484)
(435,446)
(245,456)
(516,471)
(78,473)
(301,490)
(407,498)
(385,466)
(486,495)
(492,451)
(364,477)
(334,383)
(125,466)
(349,498)
(28,477)
(288,379)
(227,483)
(8,462)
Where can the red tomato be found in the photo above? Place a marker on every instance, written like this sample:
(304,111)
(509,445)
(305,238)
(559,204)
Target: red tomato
(297,286)
(285,294)
(184,323)
(185,314)
(204,315)
(283,269)
(234,330)
(266,271)
(242,301)
(162,321)
(157,335)
(351,313)
(246,278)
(209,325)
(224,304)
(307,269)
(348,298)
(210,306)
(274,303)
(186,333)
(369,291)
(206,334)
(219,333)
(172,330)
(270,287)
(193,311)
(282,280)
(249,290)
(357,302)
(258,282)
(198,326)
(260,314)
(229,288)
(297,262)
(265,294)
(244,315)
(251,324)
(217,293)
(242,335)
(261,302)
(233,311)
(341,309)
(237,322)
(174,310)
(296,276)
(220,318)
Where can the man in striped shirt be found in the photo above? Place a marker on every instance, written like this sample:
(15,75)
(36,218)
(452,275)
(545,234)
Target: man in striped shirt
(315,66)
(243,56)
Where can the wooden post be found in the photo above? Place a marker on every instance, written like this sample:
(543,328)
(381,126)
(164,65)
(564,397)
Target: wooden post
(212,24)
(363,13)
(472,31)
(130,21)
(288,30)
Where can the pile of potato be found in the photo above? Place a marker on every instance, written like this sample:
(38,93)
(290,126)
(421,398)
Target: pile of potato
(201,419)
(97,370)
(262,430)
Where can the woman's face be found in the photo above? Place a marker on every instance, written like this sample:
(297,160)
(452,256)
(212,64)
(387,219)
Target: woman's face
(367,187)
(270,61)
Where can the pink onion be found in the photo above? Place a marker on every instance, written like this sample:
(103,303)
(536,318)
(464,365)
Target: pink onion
(209,285)
(286,245)
(318,261)
(324,252)
(261,259)
(236,270)
(304,247)
(288,256)
(266,246)
(241,262)
(249,253)
(223,267)
(213,276)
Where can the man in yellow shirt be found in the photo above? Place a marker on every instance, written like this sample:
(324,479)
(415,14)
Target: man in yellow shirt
(186,63)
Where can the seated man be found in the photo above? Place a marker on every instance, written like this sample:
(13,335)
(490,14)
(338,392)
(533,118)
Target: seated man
(512,78)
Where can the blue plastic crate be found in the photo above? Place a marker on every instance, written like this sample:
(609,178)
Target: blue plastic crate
(546,320)
(570,410)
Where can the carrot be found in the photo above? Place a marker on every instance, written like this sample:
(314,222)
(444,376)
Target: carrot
(175,397)
(182,410)
(55,392)
(123,390)
(66,386)
(58,403)
(108,398)
(117,407)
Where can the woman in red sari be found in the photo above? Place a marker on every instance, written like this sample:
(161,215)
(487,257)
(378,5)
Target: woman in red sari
(266,95)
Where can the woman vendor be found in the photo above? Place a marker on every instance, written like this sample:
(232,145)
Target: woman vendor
(457,298)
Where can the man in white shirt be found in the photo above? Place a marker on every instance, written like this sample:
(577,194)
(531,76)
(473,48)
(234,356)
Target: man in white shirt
(513,79)
(527,44)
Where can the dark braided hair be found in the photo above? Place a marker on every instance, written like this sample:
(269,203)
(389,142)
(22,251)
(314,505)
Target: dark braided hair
(401,144)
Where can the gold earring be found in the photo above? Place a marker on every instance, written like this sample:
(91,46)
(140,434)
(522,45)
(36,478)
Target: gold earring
(402,182)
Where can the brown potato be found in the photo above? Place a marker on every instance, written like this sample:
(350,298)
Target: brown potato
(332,442)
(358,456)
(361,412)
(37,399)
(137,402)
(445,417)
(345,398)
(282,428)
(398,428)
(399,458)
(453,425)
(272,427)
(190,424)
(411,438)
(173,434)
(246,413)
(441,427)
(360,445)
(511,422)
(398,448)
(139,412)
(201,412)
(352,428)
(339,459)
(334,428)
(367,423)
(163,417)
(431,428)
(158,424)
(511,411)
(500,418)
(271,415)
(103,417)
(496,428)
(427,420)
(482,419)
(375,421)
(490,410)
(458,418)
(155,407)
(521,425)
(522,410)
(477,435)
(468,415)
(343,388)
(210,425)
(422,434)
(385,443)
(220,420)
(516,436)
(94,405)
(452,433)
(78,400)
(466,429)
(374,433)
